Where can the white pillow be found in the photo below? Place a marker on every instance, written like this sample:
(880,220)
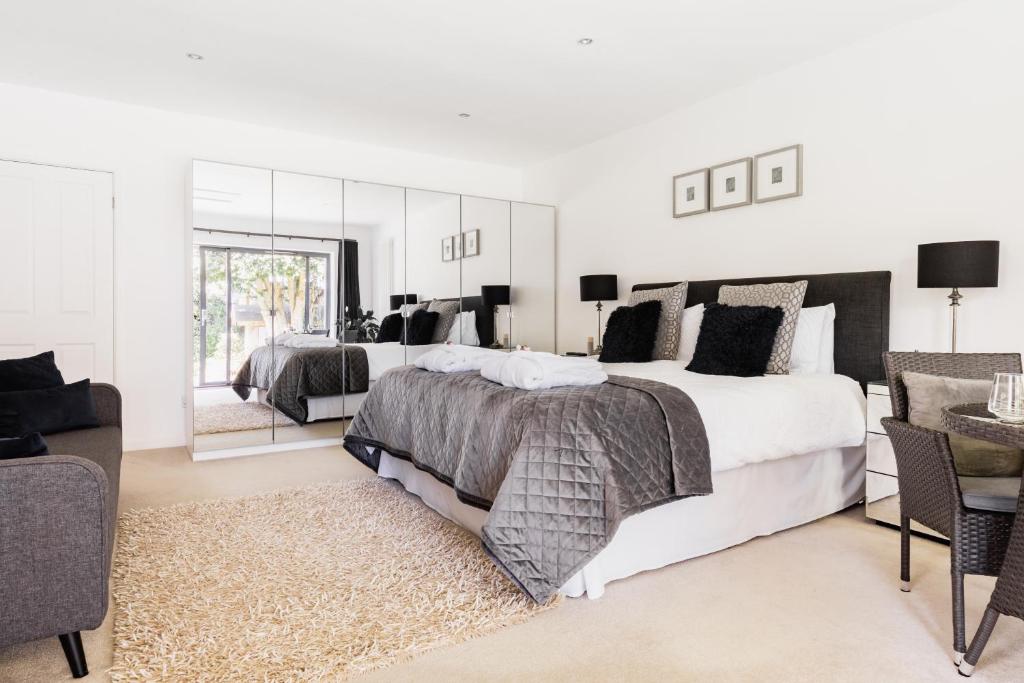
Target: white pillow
(464,330)
(689,330)
(814,332)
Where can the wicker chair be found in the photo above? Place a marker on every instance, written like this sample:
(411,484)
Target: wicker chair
(929,488)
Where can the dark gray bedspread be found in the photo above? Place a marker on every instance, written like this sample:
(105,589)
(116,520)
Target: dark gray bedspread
(290,376)
(559,469)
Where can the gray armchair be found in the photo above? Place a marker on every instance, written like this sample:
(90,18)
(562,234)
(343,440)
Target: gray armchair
(58,514)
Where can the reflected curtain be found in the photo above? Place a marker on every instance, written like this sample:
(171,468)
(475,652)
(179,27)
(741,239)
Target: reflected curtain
(348,284)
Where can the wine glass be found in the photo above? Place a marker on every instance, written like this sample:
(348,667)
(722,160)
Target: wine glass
(1007,398)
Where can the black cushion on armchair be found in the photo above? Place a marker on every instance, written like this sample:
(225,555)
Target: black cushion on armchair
(28,446)
(48,411)
(36,372)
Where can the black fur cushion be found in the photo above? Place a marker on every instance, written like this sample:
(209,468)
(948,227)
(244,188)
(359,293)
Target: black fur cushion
(735,340)
(37,372)
(419,329)
(390,328)
(28,446)
(630,335)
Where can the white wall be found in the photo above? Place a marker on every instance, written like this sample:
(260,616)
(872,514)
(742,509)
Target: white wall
(149,152)
(912,136)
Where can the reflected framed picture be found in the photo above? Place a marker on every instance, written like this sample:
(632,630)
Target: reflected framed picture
(448,249)
(457,246)
(730,184)
(779,174)
(471,243)
(690,193)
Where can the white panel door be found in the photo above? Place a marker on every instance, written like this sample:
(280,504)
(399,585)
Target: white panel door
(57,267)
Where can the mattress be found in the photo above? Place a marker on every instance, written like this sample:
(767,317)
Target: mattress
(754,419)
(749,501)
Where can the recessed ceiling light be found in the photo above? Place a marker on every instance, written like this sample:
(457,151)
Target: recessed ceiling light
(194,56)
(584,41)
(463,115)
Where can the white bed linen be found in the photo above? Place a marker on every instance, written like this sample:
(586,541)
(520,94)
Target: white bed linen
(750,501)
(753,419)
(386,355)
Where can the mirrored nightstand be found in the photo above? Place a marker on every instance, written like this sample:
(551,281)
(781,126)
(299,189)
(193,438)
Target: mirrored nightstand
(882,491)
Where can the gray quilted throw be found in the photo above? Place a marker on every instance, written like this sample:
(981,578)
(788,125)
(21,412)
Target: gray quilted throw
(290,376)
(559,469)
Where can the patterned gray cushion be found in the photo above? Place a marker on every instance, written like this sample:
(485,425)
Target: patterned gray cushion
(449,310)
(673,300)
(789,296)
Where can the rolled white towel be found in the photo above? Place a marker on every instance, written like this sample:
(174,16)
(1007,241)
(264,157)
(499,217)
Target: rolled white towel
(310,341)
(455,358)
(536,370)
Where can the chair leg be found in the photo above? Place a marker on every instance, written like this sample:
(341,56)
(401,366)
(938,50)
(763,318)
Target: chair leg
(959,631)
(988,623)
(904,554)
(75,653)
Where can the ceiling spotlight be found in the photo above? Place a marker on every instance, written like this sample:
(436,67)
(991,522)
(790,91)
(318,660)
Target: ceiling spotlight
(194,56)
(463,115)
(584,41)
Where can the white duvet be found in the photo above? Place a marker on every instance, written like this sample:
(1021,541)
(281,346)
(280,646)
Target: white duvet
(753,419)
(386,355)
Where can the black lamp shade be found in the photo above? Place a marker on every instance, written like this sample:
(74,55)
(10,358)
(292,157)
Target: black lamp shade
(398,299)
(958,264)
(495,295)
(599,288)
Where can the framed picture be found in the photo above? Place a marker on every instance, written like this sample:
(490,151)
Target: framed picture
(447,249)
(471,243)
(730,184)
(457,242)
(690,193)
(779,174)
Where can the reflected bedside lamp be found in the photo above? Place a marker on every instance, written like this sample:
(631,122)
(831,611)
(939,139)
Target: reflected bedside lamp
(492,297)
(599,288)
(955,265)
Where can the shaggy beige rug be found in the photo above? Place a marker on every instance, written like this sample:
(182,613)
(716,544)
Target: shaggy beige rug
(236,417)
(307,584)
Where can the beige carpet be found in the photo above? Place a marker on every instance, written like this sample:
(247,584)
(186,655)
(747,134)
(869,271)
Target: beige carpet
(817,603)
(303,584)
(236,417)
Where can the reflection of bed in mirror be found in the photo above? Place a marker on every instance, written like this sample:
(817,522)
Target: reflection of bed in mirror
(316,385)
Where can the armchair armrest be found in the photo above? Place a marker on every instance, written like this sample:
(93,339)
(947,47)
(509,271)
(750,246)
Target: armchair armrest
(108,404)
(929,488)
(54,547)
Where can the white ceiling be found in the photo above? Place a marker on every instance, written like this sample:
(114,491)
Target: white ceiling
(397,73)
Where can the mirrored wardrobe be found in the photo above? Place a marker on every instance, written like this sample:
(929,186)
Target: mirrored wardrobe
(305,289)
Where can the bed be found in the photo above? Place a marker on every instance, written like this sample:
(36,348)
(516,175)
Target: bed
(784,450)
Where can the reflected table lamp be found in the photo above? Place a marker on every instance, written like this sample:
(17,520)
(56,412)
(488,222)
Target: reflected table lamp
(398,300)
(492,297)
(952,265)
(599,288)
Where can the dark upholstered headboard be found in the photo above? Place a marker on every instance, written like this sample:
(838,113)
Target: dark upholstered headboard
(862,313)
(484,317)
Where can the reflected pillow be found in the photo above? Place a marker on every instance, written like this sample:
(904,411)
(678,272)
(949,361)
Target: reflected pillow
(631,333)
(49,411)
(464,330)
(448,311)
(735,340)
(36,372)
(390,329)
(419,328)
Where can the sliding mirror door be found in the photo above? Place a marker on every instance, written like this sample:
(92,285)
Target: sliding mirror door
(306,388)
(232,301)
(533,276)
(433,255)
(373,285)
(486,281)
